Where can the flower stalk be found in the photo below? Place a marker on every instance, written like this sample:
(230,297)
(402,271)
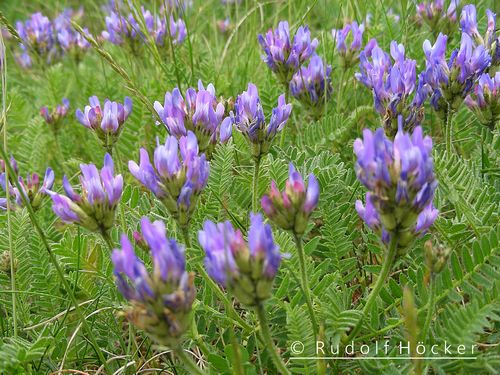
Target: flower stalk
(264,328)
(305,281)
(389,259)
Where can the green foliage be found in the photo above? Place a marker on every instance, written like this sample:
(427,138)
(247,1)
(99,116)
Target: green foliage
(343,256)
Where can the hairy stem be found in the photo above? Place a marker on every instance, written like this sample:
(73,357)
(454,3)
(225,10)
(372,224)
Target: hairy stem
(449,130)
(255,184)
(430,309)
(188,362)
(305,281)
(12,253)
(390,256)
(268,341)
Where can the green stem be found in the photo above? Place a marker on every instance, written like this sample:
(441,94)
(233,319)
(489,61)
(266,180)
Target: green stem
(268,341)
(449,130)
(107,238)
(215,288)
(188,362)
(55,263)
(7,197)
(390,256)
(305,281)
(430,309)
(340,89)
(255,184)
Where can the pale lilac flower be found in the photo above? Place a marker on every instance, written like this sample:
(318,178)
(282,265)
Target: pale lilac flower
(168,286)
(285,55)
(247,269)
(94,208)
(250,120)
(200,112)
(177,177)
(400,180)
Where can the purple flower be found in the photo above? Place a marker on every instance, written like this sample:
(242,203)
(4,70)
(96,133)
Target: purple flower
(438,19)
(283,55)
(400,180)
(107,121)
(312,85)
(224,26)
(291,209)
(247,269)
(162,299)
(484,100)
(393,85)
(37,33)
(31,188)
(468,24)
(178,31)
(199,112)
(120,29)
(452,81)
(349,53)
(249,120)
(56,116)
(94,208)
(178,176)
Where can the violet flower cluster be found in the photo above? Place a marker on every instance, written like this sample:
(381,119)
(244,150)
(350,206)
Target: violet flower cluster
(349,52)
(395,90)
(438,17)
(106,122)
(94,208)
(31,188)
(452,80)
(45,41)
(246,268)
(282,54)
(199,112)
(491,40)
(250,120)
(177,177)
(291,208)
(484,100)
(56,116)
(312,85)
(400,180)
(120,29)
(161,299)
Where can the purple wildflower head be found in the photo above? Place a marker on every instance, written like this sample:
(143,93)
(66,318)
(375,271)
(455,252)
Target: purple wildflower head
(177,177)
(55,117)
(452,80)
(37,34)
(32,188)
(247,269)
(312,85)
(285,55)
(400,180)
(161,299)
(200,112)
(396,93)
(250,120)
(348,43)
(94,208)
(127,30)
(106,121)
(437,16)
(224,26)
(291,208)
(484,100)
